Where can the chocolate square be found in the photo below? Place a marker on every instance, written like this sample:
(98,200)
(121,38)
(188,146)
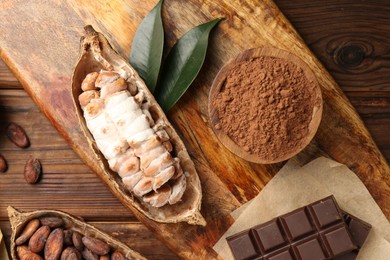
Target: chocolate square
(338,240)
(297,224)
(359,230)
(269,236)
(325,212)
(309,249)
(284,254)
(242,246)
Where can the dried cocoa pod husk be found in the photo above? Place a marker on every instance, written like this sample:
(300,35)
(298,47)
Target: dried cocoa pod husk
(96,54)
(19,221)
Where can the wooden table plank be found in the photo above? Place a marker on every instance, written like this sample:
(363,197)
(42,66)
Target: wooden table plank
(369,94)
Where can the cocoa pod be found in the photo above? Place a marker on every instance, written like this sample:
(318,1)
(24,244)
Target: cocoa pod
(71,253)
(32,170)
(52,222)
(96,245)
(54,244)
(68,237)
(31,256)
(117,256)
(28,231)
(3,164)
(104,257)
(20,222)
(96,53)
(21,251)
(89,255)
(77,240)
(38,239)
(17,135)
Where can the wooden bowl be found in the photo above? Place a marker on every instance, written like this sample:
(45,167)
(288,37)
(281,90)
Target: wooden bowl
(219,83)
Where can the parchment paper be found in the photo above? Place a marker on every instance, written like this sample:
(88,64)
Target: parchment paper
(294,187)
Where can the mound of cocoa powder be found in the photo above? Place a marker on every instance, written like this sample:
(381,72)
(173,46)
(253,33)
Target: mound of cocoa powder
(265,106)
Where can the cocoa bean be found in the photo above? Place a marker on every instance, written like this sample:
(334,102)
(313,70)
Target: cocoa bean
(38,239)
(71,253)
(32,170)
(21,251)
(68,237)
(117,256)
(3,164)
(54,244)
(104,257)
(28,231)
(53,222)
(96,245)
(89,255)
(17,135)
(31,256)
(77,240)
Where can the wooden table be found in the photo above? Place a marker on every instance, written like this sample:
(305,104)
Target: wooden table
(351,38)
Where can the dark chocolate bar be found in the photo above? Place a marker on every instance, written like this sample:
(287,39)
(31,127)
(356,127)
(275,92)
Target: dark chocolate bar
(316,231)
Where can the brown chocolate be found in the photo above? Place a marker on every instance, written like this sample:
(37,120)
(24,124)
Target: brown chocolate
(316,231)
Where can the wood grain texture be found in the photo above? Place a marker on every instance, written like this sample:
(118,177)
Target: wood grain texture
(241,19)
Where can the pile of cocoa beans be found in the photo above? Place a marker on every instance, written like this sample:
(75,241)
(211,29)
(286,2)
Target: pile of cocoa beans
(47,238)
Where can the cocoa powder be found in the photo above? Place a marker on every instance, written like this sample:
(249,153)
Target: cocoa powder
(265,106)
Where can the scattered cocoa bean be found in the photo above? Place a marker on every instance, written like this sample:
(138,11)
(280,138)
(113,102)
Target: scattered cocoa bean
(17,135)
(89,255)
(104,257)
(54,244)
(21,251)
(71,253)
(53,222)
(38,239)
(28,231)
(32,170)
(68,237)
(117,256)
(77,240)
(31,256)
(3,164)
(96,245)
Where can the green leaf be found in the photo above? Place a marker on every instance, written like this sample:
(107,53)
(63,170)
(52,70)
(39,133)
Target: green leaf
(147,47)
(183,64)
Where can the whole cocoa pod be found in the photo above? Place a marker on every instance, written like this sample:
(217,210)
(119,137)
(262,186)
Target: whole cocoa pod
(117,256)
(3,164)
(77,241)
(17,135)
(28,231)
(53,222)
(32,170)
(96,246)
(71,253)
(54,244)
(89,255)
(38,239)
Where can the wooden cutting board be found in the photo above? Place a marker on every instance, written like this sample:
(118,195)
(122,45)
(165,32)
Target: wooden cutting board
(40,42)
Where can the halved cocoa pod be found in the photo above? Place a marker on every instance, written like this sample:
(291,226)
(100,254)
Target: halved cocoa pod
(97,55)
(19,220)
